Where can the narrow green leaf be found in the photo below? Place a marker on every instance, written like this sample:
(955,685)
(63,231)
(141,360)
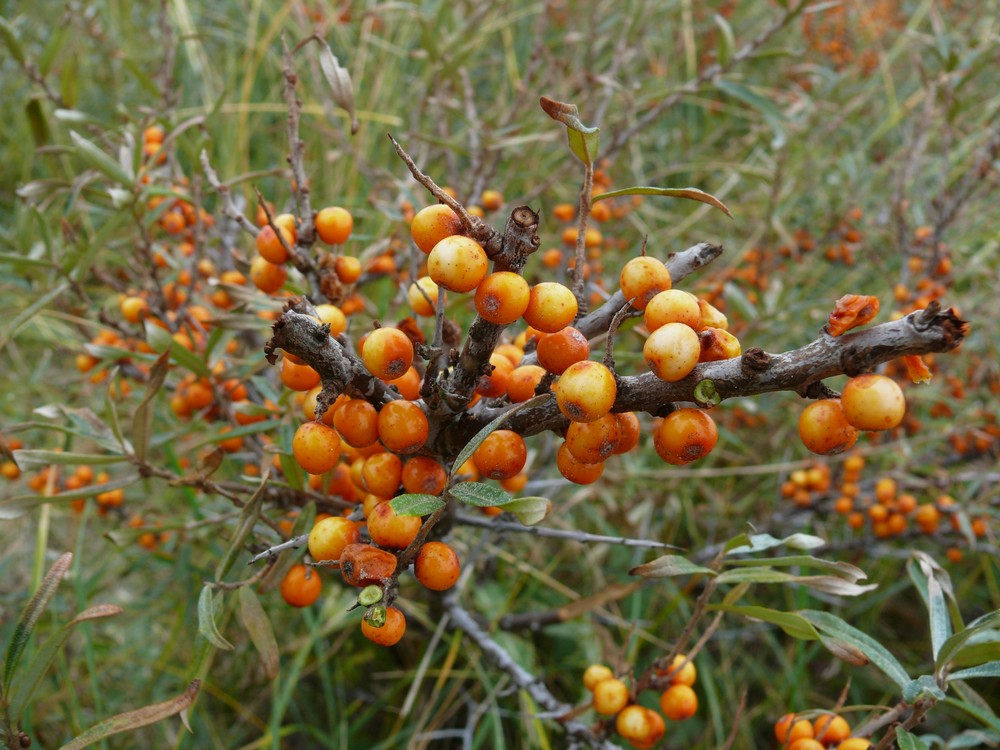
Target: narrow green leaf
(875,651)
(470,448)
(340,82)
(31,311)
(670,565)
(32,612)
(772,115)
(747,543)
(41,134)
(844,570)
(793,624)
(12,507)
(529,510)
(727,43)
(12,39)
(69,82)
(907,741)
(27,681)
(82,422)
(28,456)
(955,643)
(827,584)
(206,619)
(244,526)
(923,576)
(584,141)
(142,420)
(992,669)
(140,717)
(691,194)
(415,504)
(287,558)
(97,159)
(479,494)
(161,341)
(981,713)
(258,626)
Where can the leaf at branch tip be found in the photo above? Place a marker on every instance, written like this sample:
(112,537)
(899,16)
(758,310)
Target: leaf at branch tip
(340,82)
(746,543)
(669,565)
(32,612)
(206,620)
(140,717)
(584,141)
(415,504)
(529,510)
(692,194)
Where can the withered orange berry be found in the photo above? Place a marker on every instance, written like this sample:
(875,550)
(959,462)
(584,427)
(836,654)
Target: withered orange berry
(301,586)
(593,442)
(134,309)
(633,723)
(831,728)
(357,422)
(437,566)
(557,351)
(347,268)
(551,307)
(432,224)
(457,263)
(382,473)
(678,702)
(390,633)
(642,279)
(855,743)
(334,225)
(628,426)
(672,351)
(267,276)
(806,743)
(673,306)
(329,537)
(389,530)
(422,295)
(402,427)
(575,470)
(824,429)
(712,317)
(502,297)
(316,447)
(523,382)
(270,246)
(363,564)
(596,673)
(610,696)
(586,391)
(788,729)
(873,402)
(686,675)
(717,345)
(387,353)
(501,455)
(298,377)
(685,435)
(423,475)
(334,317)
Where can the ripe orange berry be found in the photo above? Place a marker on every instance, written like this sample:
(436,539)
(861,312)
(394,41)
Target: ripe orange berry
(564,211)
(316,447)
(267,276)
(382,473)
(642,279)
(432,224)
(788,729)
(673,306)
(551,307)
(402,427)
(628,425)
(685,435)
(153,134)
(610,696)
(387,353)
(437,566)
(423,475)
(633,723)
(679,702)
(134,309)
(357,422)
(389,530)
(672,351)
(594,674)
(501,455)
(824,429)
(855,743)
(495,383)
(502,297)
(270,246)
(557,351)
(873,402)
(831,728)
(334,225)
(362,564)
(523,381)
(575,470)
(334,317)
(301,586)
(491,199)
(329,537)
(422,295)
(593,442)
(457,263)
(686,675)
(806,743)
(298,377)
(586,391)
(390,633)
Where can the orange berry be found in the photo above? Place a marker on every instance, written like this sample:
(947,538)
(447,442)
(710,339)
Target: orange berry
(408,384)
(629,430)
(717,345)
(824,429)
(673,306)
(495,383)
(551,307)
(362,564)
(873,402)
(382,473)
(334,317)
(672,351)
(301,586)
(594,674)
(491,199)
(422,295)
(334,225)
(501,455)
(387,353)
(787,729)
(267,276)
(523,381)
(711,317)
(642,279)
(389,530)
(586,391)
(270,246)
(390,633)
(557,351)
(679,702)
(685,435)
(593,442)
(153,134)
(564,211)
(686,675)
(348,269)
(831,728)
(357,422)
(610,696)
(437,566)
(502,297)
(855,743)
(633,723)
(432,224)
(885,489)
(402,427)
(330,536)
(298,377)
(316,447)
(134,309)
(575,470)
(457,263)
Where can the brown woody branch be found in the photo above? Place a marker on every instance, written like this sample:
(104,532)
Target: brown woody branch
(296,148)
(229,208)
